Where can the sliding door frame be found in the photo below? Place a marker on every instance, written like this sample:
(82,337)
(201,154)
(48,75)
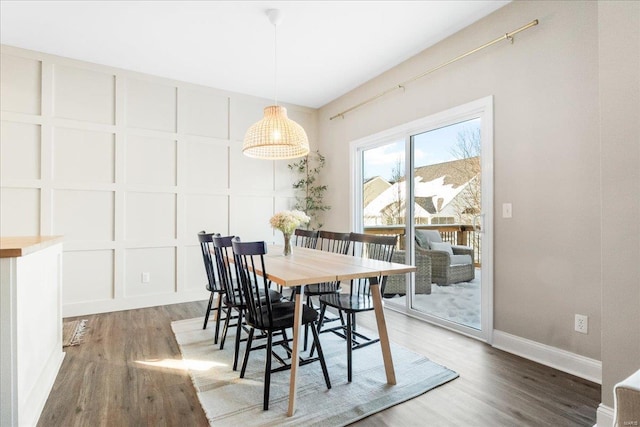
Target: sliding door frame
(483,109)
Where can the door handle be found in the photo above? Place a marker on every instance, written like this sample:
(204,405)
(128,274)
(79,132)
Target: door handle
(478,228)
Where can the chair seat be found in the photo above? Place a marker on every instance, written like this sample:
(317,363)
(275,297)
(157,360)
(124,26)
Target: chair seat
(274,296)
(322,289)
(348,303)
(283,316)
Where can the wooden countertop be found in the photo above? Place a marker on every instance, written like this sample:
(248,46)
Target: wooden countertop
(11,247)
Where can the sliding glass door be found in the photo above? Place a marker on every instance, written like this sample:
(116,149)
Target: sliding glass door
(447,199)
(430,183)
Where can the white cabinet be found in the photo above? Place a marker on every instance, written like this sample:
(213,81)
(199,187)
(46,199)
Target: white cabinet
(30,325)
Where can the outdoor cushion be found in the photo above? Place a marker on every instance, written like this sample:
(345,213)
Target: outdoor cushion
(425,237)
(460,259)
(445,246)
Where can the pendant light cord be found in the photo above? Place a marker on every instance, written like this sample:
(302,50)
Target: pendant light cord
(275,61)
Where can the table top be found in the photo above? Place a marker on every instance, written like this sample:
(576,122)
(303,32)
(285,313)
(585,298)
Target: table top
(12,247)
(307,266)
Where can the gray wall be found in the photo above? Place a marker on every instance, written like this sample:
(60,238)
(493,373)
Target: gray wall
(546,150)
(619,27)
(548,263)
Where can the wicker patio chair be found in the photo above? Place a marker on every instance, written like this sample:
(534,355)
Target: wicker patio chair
(446,267)
(396,282)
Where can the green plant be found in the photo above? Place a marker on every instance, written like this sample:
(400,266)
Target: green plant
(309,193)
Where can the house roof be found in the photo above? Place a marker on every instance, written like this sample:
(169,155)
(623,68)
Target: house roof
(455,172)
(435,187)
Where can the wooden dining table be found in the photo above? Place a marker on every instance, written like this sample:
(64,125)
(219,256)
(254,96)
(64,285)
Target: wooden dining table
(308,266)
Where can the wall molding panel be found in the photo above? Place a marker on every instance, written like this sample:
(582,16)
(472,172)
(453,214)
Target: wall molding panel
(129,167)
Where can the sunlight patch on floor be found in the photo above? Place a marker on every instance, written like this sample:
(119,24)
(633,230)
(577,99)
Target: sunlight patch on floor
(180,364)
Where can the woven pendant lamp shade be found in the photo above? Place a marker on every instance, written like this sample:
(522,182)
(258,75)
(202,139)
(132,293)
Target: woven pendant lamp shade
(275,137)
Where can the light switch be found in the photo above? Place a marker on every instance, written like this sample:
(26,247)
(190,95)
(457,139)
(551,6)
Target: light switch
(506,210)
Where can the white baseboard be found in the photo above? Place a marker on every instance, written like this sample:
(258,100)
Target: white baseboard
(604,416)
(106,306)
(574,364)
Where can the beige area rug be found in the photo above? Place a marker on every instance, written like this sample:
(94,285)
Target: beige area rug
(73,332)
(228,400)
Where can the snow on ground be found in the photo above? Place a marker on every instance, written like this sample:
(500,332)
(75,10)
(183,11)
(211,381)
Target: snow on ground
(459,302)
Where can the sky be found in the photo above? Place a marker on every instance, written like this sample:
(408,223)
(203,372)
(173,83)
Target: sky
(431,147)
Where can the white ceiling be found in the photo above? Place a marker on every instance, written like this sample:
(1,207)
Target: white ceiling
(325,48)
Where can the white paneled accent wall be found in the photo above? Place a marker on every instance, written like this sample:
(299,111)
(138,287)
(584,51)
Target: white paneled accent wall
(129,167)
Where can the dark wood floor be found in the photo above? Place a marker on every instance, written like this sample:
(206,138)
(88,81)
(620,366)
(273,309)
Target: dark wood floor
(103,383)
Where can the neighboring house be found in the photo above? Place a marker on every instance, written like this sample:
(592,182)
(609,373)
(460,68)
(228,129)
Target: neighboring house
(445,193)
(373,187)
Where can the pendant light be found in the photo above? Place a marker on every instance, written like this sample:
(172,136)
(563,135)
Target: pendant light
(275,136)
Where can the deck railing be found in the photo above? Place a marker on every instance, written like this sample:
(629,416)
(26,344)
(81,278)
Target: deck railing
(456,234)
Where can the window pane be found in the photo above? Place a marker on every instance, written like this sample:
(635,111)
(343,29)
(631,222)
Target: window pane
(383,195)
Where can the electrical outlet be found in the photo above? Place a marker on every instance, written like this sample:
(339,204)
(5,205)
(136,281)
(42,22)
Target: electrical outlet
(507,211)
(146,277)
(582,324)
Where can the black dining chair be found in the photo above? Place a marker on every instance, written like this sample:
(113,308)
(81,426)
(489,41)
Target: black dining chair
(331,242)
(212,285)
(305,238)
(359,298)
(269,317)
(234,300)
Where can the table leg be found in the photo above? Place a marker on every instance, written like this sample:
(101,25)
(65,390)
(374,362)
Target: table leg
(216,303)
(295,356)
(382,331)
